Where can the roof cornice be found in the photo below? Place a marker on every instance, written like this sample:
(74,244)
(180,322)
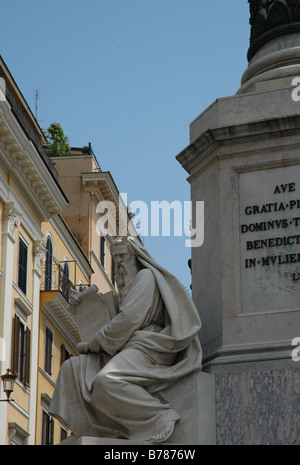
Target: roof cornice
(25,165)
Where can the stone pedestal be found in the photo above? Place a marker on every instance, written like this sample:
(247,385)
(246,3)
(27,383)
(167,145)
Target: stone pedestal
(193,398)
(90,441)
(244,163)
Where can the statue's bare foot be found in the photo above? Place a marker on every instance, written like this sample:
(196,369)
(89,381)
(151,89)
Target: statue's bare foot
(164,433)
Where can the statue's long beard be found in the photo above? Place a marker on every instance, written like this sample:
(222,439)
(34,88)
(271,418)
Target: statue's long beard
(124,279)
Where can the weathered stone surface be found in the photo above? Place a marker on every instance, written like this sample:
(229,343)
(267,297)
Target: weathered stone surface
(193,397)
(258,407)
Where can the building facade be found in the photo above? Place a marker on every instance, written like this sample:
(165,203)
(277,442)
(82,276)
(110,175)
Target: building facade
(49,246)
(29,195)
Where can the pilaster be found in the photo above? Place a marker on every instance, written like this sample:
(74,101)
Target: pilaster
(11,221)
(39,257)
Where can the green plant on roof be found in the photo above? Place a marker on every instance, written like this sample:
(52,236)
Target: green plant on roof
(57,142)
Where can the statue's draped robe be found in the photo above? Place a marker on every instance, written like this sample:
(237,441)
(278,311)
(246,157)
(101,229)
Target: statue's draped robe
(150,343)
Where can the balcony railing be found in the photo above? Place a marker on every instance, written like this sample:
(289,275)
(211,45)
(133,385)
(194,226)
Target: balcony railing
(55,277)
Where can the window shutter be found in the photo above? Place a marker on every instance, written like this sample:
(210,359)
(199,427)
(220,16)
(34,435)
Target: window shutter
(64,354)
(48,351)
(27,357)
(15,351)
(48,265)
(45,429)
(51,431)
(22,274)
(113,271)
(63,434)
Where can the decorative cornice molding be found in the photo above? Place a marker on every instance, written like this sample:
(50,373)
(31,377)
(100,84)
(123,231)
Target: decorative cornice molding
(15,429)
(102,187)
(27,302)
(280,350)
(57,311)
(206,145)
(20,157)
(23,307)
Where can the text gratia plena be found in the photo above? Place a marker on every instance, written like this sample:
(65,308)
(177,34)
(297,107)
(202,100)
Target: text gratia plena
(287,245)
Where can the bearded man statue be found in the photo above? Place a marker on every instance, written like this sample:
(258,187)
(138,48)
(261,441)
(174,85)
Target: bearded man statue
(114,388)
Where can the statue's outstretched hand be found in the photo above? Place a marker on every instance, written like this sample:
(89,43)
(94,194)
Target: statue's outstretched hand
(94,346)
(82,347)
(86,347)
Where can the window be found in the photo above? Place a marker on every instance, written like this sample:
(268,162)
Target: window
(21,350)
(48,351)
(48,264)
(47,429)
(63,433)
(81,286)
(65,354)
(22,269)
(102,250)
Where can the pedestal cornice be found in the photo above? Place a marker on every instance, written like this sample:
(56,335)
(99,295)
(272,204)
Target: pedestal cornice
(203,151)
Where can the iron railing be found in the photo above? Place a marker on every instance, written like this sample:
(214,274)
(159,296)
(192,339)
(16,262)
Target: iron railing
(55,278)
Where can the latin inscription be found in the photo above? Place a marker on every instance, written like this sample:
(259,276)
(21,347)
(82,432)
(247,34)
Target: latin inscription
(276,226)
(270,239)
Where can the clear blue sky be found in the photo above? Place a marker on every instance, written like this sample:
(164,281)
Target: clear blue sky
(129,76)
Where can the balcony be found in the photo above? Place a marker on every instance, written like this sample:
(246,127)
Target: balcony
(56,278)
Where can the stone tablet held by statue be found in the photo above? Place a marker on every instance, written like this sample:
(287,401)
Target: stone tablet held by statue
(94,312)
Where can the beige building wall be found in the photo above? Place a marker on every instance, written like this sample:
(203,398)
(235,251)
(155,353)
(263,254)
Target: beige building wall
(81,212)
(29,195)
(55,318)
(40,197)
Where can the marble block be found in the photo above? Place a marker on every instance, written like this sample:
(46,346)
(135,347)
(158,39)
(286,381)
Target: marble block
(193,397)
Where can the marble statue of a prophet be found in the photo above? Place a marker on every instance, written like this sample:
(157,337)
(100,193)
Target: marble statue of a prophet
(146,340)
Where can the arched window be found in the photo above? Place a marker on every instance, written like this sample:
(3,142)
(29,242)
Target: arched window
(48,264)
